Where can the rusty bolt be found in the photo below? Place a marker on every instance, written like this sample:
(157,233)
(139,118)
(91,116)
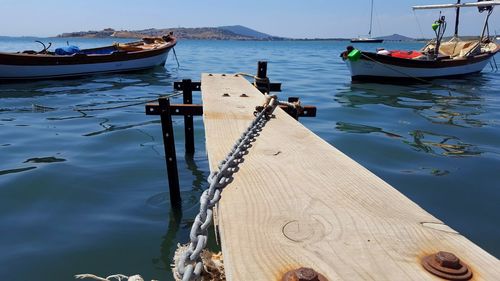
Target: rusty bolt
(448,260)
(447,265)
(303,274)
(306,274)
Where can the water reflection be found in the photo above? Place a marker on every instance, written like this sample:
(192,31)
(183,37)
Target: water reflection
(169,241)
(441,144)
(438,106)
(12,171)
(113,128)
(178,228)
(363,129)
(82,115)
(50,159)
(396,96)
(86,84)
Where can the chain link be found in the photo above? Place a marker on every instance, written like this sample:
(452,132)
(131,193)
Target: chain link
(190,265)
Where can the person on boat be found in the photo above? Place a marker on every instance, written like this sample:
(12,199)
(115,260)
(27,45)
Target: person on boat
(344,54)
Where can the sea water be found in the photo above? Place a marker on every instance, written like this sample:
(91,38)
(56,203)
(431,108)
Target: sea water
(83,185)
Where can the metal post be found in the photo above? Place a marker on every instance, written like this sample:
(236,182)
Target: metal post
(294,112)
(262,69)
(187,94)
(170,157)
(262,74)
(457,20)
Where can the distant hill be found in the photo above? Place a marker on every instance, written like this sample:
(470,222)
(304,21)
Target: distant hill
(236,32)
(396,37)
(242,30)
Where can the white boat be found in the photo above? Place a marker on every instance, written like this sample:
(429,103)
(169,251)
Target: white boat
(437,59)
(368,39)
(71,61)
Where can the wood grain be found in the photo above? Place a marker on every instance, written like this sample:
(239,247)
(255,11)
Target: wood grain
(298,201)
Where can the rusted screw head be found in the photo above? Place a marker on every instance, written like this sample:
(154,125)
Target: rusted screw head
(303,274)
(306,274)
(447,265)
(448,260)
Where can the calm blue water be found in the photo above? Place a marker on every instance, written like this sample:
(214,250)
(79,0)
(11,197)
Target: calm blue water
(86,191)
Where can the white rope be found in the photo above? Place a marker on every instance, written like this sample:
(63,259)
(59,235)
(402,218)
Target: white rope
(118,277)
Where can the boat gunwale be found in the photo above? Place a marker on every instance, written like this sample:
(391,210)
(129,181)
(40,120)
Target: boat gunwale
(416,63)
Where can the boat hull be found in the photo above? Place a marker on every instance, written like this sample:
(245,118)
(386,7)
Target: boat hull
(34,67)
(33,72)
(379,68)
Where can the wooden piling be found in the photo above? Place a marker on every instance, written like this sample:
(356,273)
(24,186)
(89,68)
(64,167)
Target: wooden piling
(297,201)
(170,156)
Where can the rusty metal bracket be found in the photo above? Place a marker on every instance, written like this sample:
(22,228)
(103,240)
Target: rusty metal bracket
(197,110)
(196,86)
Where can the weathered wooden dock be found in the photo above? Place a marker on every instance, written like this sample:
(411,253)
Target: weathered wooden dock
(299,202)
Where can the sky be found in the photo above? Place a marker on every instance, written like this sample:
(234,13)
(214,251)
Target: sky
(285,18)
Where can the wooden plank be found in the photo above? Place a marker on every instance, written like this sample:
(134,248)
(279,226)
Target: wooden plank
(297,201)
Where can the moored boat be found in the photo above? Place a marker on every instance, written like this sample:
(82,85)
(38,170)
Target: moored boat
(71,61)
(437,59)
(368,39)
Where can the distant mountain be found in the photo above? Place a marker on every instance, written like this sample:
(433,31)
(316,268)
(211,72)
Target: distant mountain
(396,37)
(245,31)
(236,32)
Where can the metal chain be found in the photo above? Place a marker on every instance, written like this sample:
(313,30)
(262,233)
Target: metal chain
(190,265)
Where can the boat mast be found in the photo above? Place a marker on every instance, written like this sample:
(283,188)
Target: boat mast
(457,20)
(371,19)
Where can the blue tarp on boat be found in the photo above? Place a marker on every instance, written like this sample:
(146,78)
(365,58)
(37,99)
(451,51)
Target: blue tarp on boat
(69,50)
(101,51)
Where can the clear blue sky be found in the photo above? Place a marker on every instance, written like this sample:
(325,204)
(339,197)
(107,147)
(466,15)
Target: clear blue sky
(287,18)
